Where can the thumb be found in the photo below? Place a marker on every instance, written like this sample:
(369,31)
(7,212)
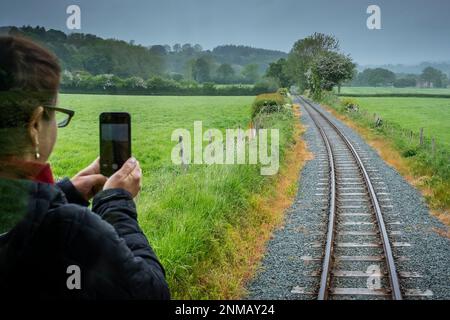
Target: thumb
(128,167)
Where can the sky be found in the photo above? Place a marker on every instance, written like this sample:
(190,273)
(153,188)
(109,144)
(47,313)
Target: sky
(412,31)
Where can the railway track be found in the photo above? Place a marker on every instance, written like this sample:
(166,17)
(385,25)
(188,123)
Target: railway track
(351,244)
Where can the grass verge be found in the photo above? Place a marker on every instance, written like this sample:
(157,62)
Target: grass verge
(249,237)
(236,242)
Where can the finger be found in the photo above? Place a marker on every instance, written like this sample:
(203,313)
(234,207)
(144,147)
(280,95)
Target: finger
(95,166)
(96,182)
(137,176)
(137,172)
(128,167)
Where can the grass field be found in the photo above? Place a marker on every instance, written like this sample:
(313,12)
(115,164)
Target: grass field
(432,114)
(191,218)
(392,90)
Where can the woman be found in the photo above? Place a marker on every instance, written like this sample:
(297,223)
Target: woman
(51,244)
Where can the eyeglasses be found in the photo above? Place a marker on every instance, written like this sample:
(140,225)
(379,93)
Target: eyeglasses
(63,116)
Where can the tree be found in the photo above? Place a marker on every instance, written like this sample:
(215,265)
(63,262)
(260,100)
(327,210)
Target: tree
(198,48)
(201,70)
(331,69)
(177,48)
(434,77)
(404,81)
(381,77)
(250,73)
(176,76)
(225,73)
(304,52)
(136,83)
(99,64)
(277,71)
(377,77)
(187,49)
(158,49)
(243,55)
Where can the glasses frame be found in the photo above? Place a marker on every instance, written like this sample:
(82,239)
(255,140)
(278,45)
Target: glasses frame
(70,113)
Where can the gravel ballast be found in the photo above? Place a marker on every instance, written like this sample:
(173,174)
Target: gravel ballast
(284,271)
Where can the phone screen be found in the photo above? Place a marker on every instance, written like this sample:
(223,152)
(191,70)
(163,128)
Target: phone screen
(115,141)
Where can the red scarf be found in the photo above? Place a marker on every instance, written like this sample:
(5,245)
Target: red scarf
(30,170)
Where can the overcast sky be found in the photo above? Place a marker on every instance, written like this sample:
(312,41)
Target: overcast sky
(412,30)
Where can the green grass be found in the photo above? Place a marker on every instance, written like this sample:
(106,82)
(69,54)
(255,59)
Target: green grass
(391,90)
(432,114)
(186,215)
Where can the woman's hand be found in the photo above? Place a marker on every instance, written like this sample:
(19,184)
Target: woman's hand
(128,178)
(89,181)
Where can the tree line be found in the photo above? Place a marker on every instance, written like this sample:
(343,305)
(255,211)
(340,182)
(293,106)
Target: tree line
(93,64)
(380,77)
(89,53)
(315,63)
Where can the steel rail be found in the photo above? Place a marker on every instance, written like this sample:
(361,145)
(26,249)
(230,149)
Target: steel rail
(327,261)
(392,270)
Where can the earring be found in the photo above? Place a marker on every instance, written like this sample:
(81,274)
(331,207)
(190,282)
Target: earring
(37,154)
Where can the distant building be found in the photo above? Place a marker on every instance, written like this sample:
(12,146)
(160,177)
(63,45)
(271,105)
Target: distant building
(424,84)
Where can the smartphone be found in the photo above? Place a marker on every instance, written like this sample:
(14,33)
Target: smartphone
(115,141)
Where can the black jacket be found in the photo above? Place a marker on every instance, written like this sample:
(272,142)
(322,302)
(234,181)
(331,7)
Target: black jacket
(51,229)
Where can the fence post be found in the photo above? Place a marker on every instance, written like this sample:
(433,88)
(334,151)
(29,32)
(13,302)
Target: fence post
(210,142)
(252,131)
(421,136)
(180,141)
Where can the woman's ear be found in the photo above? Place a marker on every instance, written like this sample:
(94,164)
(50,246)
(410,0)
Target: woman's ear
(35,125)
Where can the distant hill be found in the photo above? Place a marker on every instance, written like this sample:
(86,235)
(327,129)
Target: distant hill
(411,69)
(243,55)
(87,52)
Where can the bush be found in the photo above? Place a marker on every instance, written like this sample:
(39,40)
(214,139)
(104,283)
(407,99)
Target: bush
(283,91)
(409,153)
(209,88)
(349,105)
(266,85)
(267,103)
(83,82)
(158,84)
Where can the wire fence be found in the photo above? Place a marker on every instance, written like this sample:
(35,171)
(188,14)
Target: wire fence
(418,138)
